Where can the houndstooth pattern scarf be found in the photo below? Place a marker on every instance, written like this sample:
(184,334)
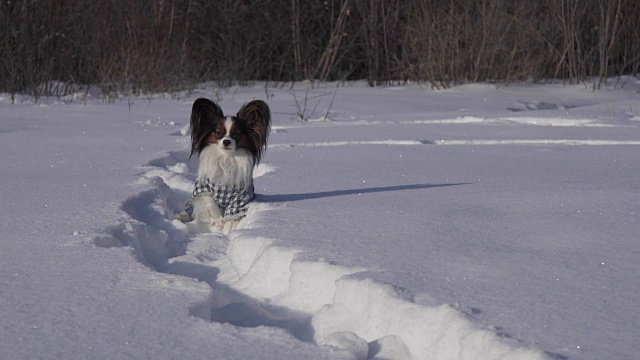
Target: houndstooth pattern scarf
(233,200)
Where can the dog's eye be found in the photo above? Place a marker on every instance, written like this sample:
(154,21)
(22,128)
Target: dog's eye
(219,133)
(235,134)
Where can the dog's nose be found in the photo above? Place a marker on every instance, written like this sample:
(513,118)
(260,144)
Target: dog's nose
(226,142)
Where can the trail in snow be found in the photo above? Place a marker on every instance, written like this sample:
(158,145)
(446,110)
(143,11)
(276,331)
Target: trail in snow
(257,281)
(534,121)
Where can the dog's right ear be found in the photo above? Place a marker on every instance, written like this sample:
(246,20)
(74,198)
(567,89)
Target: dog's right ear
(204,115)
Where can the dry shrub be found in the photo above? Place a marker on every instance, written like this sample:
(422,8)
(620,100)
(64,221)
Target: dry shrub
(50,47)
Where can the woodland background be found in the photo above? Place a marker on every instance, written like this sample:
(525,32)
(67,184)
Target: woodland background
(50,47)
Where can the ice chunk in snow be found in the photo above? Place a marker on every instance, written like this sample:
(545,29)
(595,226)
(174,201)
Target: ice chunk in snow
(179,168)
(348,343)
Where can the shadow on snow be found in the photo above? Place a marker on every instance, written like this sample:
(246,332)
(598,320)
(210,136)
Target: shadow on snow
(323,194)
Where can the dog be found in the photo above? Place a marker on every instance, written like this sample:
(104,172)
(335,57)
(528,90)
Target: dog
(229,148)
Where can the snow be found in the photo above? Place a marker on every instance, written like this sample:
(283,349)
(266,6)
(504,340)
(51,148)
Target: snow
(477,222)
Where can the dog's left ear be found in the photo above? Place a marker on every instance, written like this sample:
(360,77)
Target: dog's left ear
(257,119)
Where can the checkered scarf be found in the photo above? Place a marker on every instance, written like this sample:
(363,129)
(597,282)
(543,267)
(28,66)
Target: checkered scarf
(233,200)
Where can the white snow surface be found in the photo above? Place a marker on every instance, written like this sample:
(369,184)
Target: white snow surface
(477,222)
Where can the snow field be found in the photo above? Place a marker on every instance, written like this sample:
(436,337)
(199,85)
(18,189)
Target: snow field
(257,281)
(534,246)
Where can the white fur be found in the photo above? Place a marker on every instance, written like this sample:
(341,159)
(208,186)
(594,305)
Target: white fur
(228,122)
(229,167)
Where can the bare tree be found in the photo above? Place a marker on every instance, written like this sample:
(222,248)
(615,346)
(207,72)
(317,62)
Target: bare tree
(50,48)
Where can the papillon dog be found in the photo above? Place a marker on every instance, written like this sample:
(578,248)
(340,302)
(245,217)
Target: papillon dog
(229,147)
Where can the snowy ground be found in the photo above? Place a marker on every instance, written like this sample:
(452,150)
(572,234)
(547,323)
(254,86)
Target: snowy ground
(478,222)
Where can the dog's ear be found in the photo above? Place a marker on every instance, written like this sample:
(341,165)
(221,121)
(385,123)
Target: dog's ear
(204,115)
(257,120)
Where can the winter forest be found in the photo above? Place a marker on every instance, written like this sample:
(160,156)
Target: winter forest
(49,46)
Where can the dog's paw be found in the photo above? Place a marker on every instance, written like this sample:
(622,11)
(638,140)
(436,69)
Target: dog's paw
(184,217)
(218,223)
(206,211)
(229,226)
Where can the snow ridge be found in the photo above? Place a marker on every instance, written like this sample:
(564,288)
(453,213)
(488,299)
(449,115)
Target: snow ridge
(255,281)
(480,142)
